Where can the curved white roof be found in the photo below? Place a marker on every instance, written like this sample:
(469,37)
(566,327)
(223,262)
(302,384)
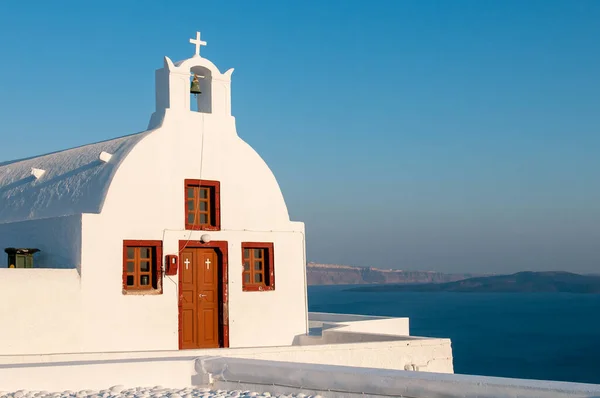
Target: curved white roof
(75,181)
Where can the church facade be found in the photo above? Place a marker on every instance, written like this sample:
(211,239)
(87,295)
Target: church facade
(177,237)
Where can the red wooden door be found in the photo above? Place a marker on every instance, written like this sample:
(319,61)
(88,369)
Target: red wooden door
(199,295)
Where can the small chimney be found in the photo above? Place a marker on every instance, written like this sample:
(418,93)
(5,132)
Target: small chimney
(37,173)
(105,156)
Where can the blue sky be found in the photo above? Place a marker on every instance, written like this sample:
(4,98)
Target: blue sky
(432,135)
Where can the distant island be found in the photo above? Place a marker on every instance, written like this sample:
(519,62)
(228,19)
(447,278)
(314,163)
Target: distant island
(330,274)
(521,282)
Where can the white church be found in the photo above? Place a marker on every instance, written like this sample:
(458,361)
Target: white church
(174,238)
(171,242)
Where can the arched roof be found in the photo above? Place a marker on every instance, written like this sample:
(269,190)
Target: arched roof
(75,181)
(187,64)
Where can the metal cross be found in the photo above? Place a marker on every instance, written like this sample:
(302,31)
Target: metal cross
(198,43)
(207,262)
(186,262)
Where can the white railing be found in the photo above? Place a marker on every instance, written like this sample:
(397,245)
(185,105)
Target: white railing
(347,382)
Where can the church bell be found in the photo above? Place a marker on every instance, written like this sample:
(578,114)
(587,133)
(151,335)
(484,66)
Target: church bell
(195,86)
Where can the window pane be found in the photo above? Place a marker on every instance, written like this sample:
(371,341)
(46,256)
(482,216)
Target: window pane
(246,278)
(203,218)
(129,280)
(144,252)
(258,278)
(144,280)
(145,266)
(204,193)
(190,205)
(20,262)
(203,206)
(190,192)
(258,265)
(258,253)
(246,266)
(246,253)
(190,218)
(130,253)
(130,266)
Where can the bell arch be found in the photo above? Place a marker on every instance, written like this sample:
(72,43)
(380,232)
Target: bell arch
(201,78)
(175,88)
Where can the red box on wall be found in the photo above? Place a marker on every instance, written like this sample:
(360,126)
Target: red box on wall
(171,264)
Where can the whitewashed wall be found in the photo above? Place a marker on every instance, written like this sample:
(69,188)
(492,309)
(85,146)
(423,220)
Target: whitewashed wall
(58,238)
(145,201)
(40,311)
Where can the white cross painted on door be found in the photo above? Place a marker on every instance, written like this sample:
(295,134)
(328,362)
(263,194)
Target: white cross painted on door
(207,262)
(187,263)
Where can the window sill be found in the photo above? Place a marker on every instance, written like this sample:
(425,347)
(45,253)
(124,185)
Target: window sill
(258,288)
(202,227)
(148,292)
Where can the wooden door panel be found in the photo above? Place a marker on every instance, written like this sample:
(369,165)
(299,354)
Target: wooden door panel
(208,320)
(209,326)
(199,298)
(187,269)
(189,302)
(187,297)
(210,296)
(188,332)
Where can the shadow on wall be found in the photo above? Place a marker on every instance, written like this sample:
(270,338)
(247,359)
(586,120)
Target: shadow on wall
(44,183)
(69,174)
(48,260)
(58,239)
(16,184)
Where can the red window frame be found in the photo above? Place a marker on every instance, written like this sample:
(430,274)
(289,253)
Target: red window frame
(155,272)
(214,207)
(268,267)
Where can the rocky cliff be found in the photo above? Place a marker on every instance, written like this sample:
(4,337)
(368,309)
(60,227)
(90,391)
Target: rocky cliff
(521,282)
(329,274)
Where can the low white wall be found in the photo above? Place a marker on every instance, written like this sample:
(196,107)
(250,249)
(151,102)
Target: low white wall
(430,355)
(171,369)
(332,317)
(174,368)
(39,311)
(99,374)
(342,337)
(360,324)
(58,238)
(390,327)
(344,382)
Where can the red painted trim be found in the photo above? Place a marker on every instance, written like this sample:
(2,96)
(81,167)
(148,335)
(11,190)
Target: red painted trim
(216,185)
(158,258)
(270,251)
(221,248)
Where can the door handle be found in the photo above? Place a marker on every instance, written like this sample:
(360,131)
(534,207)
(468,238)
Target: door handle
(201,295)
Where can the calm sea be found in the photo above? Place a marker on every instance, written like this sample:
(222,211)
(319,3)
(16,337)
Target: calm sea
(551,336)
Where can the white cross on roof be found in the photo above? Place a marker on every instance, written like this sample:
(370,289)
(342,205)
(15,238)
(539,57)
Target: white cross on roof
(198,43)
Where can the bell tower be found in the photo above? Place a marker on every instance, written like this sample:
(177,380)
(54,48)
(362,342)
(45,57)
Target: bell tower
(194,81)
